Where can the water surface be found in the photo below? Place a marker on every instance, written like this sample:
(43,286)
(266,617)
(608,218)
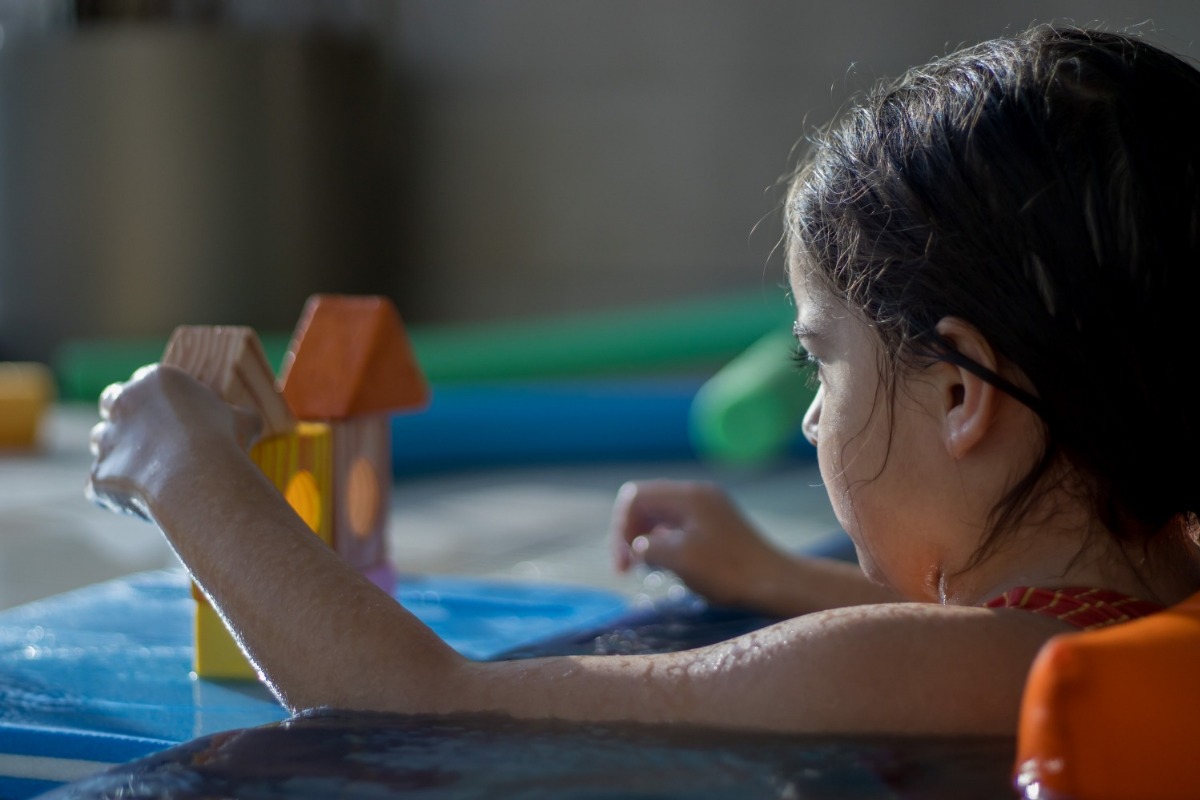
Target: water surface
(327,753)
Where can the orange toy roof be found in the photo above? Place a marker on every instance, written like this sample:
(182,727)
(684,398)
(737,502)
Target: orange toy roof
(350,355)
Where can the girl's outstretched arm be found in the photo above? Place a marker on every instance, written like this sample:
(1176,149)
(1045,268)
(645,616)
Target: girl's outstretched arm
(169,449)
(323,635)
(694,529)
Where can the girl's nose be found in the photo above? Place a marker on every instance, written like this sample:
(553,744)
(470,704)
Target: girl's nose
(812,417)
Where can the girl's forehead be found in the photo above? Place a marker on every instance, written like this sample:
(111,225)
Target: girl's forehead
(811,296)
(822,313)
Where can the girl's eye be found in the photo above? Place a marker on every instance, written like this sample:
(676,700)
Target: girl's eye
(807,365)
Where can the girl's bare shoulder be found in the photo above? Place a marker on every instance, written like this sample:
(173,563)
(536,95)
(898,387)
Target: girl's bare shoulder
(920,617)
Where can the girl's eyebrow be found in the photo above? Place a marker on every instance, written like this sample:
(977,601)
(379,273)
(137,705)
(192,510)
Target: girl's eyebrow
(802,331)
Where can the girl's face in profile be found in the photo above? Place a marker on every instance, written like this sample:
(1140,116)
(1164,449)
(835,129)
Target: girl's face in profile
(879,457)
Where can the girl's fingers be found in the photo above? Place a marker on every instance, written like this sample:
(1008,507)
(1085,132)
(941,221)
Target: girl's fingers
(113,391)
(96,438)
(108,397)
(628,554)
(663,548)
(640,509)
(642,505)
(622,553)
(621,529)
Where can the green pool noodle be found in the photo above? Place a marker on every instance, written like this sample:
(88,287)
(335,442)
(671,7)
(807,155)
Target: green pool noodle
(694,334)
(751,409)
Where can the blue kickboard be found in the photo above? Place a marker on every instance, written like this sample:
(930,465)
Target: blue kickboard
(102,674)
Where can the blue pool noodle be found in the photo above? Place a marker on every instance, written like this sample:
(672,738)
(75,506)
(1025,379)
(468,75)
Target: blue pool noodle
(486,425)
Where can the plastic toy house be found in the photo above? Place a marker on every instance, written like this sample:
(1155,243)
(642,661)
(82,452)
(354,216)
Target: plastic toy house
(350,366)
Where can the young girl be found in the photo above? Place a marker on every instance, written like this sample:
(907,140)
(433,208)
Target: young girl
(994,262)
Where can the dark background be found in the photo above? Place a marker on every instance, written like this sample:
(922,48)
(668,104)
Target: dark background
(202,162)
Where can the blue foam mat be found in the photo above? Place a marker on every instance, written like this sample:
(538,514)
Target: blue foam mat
(103,674)
(36,759)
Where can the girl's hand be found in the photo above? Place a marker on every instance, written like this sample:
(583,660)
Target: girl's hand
(153,428)
(694,530)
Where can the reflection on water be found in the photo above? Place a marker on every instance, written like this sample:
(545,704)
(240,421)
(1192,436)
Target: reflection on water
(327,753)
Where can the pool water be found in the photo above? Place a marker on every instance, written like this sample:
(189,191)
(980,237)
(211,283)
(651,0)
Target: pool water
(327,753)
(663,627)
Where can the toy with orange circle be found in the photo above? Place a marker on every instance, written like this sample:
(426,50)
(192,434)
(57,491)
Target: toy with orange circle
(326,441)
(1112,714)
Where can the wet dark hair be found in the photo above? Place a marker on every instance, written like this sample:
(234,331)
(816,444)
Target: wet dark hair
(1045,189)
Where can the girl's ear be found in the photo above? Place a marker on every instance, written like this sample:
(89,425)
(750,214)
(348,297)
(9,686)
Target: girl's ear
(969,403)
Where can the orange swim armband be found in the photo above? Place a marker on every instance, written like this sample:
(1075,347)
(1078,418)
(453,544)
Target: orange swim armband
(1115,713)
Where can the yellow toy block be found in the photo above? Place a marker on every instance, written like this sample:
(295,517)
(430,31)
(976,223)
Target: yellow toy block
(217,655)
(300,464)
(26,390)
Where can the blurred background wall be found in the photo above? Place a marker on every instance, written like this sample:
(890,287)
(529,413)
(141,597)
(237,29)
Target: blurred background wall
(216,162)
